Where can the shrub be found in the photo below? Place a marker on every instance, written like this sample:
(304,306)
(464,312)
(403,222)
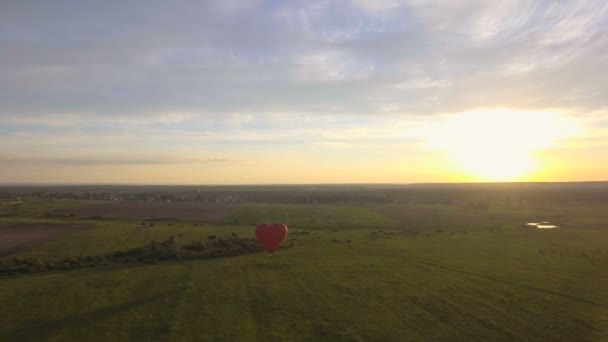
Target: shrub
(151,252)
(197,246)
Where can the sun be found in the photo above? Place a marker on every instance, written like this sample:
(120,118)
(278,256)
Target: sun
(496,165)
(499,144)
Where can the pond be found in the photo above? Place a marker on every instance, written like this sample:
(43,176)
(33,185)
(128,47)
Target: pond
(542,225)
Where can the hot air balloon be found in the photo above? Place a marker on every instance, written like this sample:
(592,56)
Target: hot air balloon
(270,235)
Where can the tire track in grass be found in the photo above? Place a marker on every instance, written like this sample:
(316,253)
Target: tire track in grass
(488,277)
(74,321)
(582,326)
(427,310)
(182,300)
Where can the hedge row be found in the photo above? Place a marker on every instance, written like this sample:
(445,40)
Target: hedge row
(149,253)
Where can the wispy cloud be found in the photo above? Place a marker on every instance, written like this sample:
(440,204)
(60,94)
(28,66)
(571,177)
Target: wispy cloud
(214,76)
(112,160)
(213,58)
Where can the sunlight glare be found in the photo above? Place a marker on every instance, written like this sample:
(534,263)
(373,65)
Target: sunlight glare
(498,145)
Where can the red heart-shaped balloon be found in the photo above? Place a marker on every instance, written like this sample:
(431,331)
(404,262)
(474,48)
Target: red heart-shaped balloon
(270,235)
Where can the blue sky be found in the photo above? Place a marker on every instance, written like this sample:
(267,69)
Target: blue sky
(213,91)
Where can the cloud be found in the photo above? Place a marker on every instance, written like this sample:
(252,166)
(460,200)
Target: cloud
(422,83)
(216,57)
(379,5)
(112,160)
(218,71)
(330,66)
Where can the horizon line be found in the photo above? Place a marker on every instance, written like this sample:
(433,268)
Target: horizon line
(297,184)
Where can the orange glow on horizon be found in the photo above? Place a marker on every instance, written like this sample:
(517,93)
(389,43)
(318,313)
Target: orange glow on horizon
(498,145)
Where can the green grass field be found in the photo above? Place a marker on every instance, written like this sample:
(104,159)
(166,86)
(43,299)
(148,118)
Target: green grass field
(469,274)
(310,215)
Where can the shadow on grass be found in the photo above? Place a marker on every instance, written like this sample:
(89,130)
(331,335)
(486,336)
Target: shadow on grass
(45,329)
(272,264)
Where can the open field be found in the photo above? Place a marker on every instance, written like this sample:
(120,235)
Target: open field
(42,207)
(153,210)
(482,286)
(19,236)
(469,270)
(311,215)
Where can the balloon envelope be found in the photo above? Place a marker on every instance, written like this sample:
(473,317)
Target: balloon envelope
(270,235)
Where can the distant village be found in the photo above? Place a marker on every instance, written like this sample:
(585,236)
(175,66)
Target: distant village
(300,195)
(9,197)
(475,196)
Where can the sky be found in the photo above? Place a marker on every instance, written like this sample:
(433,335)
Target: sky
(243,92)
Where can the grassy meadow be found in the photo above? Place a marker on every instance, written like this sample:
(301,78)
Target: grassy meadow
(378,272)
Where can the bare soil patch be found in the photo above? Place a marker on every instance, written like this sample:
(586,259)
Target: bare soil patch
(154,210)
(15,237)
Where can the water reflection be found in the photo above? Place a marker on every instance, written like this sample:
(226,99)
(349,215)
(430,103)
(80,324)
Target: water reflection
(542,225)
